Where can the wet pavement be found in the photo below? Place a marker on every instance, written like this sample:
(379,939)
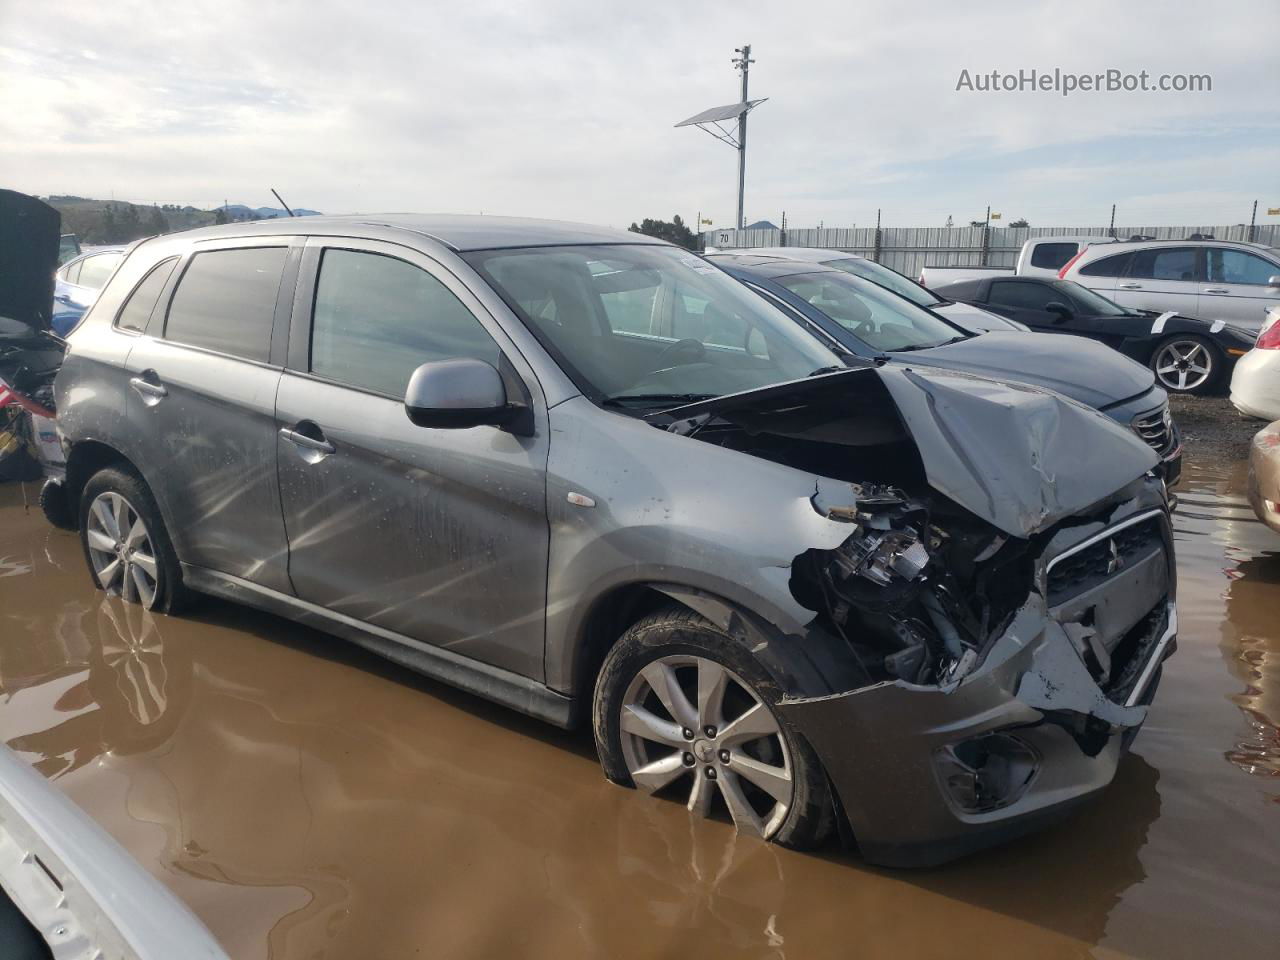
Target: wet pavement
(308,800)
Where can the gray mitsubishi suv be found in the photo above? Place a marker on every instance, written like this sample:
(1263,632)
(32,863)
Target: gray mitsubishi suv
(589,475)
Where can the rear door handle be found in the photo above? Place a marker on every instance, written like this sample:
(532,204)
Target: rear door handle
(1216,290)
(149,387)
(1130,286)
(307,443)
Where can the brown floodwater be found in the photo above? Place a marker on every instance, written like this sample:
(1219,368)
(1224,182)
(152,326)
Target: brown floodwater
(308,800)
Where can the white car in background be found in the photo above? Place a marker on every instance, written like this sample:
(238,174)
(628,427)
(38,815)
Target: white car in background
(967,317)
(1039,257)
(1255,384)
(1235,282)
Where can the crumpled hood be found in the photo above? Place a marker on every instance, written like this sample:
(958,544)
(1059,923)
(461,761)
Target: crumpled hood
(28,258)
(1081,369)
(1019,457)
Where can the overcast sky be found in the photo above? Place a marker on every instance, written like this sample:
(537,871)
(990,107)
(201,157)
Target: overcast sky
(565,108)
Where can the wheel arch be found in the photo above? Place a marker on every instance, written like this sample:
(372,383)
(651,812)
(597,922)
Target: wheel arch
(85,458)
(802,665)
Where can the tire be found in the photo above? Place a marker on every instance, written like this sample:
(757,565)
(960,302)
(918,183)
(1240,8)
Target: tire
(112,486)
(676,644)
(56,506)
(1200,353)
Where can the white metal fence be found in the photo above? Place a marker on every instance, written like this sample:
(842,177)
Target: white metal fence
(908,249)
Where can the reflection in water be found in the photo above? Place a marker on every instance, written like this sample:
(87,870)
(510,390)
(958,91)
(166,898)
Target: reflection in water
(308,800)
(1253,611)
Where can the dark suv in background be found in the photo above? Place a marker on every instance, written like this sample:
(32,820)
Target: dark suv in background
(591,476)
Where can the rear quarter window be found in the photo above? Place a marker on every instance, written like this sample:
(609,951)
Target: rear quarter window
(1113,266)
(142,301)
(226,301)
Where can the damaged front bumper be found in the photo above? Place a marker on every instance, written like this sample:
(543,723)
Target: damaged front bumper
(927,773)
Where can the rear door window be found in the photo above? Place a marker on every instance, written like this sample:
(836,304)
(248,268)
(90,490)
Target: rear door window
(226,300)
(137,309)
(1051,256)
(377,319)
(1108,266)
(1166,263)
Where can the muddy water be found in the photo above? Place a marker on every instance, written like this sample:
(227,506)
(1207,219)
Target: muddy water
(310,801)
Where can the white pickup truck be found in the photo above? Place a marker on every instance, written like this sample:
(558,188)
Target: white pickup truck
(1039,257)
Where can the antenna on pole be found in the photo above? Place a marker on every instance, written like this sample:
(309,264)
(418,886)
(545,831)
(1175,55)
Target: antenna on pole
(737,137)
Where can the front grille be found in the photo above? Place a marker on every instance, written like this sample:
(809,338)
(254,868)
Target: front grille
(1086,568)
(1131,654)
(1154,430)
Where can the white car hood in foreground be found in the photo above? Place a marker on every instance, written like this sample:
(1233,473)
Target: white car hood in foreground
(107,906)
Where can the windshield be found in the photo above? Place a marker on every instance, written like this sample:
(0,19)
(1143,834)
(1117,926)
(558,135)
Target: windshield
(889,279)
(1087,300)
(650,324)
(878,318)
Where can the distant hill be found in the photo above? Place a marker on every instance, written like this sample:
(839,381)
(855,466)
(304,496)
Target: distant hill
(761,225)
(112,221)
(239,211)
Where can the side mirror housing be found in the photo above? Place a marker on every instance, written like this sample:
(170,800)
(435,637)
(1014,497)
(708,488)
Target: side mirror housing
(1274,281)
(454,394)
(1060,310)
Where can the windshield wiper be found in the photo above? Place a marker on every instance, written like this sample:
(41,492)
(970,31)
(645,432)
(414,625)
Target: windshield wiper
(929,346)
(657,399)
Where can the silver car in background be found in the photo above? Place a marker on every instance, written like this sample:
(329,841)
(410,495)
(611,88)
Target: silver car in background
(589,475)
(1215,280)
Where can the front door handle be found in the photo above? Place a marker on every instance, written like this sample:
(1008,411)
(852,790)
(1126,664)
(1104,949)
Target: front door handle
(1216,290)
(1130,286)
(149,387)
(320,445)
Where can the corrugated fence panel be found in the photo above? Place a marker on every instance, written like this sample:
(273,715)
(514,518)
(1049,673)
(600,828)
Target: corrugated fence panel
(909,249)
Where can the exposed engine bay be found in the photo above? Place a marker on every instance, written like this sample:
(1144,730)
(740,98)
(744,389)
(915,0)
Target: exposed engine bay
(929,575)
(915,598)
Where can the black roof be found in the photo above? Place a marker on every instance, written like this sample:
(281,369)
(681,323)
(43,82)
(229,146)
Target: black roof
(768,267)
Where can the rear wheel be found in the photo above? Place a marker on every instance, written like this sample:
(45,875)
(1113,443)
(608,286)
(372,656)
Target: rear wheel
(1187,363)
(125,543)
(682,710)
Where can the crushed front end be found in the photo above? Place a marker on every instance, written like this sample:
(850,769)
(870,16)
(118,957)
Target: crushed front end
(991,625)
(1004,676)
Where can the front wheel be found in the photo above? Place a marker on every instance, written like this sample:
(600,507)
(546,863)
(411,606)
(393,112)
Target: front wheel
(683,710)
(1187,363)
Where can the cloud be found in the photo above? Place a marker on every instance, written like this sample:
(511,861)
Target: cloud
(565,108)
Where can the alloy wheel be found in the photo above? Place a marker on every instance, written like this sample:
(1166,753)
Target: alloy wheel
(1183,364)
(693,728)
(121,551)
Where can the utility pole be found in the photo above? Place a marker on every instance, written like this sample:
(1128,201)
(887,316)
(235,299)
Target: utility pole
(743,62)
(986,236)
(1112,229)
(1253,220)
(876,253)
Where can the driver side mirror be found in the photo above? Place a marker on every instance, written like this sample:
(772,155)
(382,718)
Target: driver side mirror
(1060,310)
(1274,281)
(453,394)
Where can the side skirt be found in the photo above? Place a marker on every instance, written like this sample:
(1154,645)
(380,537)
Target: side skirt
(492,683)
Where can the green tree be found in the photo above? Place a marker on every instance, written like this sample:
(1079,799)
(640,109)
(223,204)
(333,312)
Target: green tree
(219,216)
(1020,222)
(156,222)
(673,232)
